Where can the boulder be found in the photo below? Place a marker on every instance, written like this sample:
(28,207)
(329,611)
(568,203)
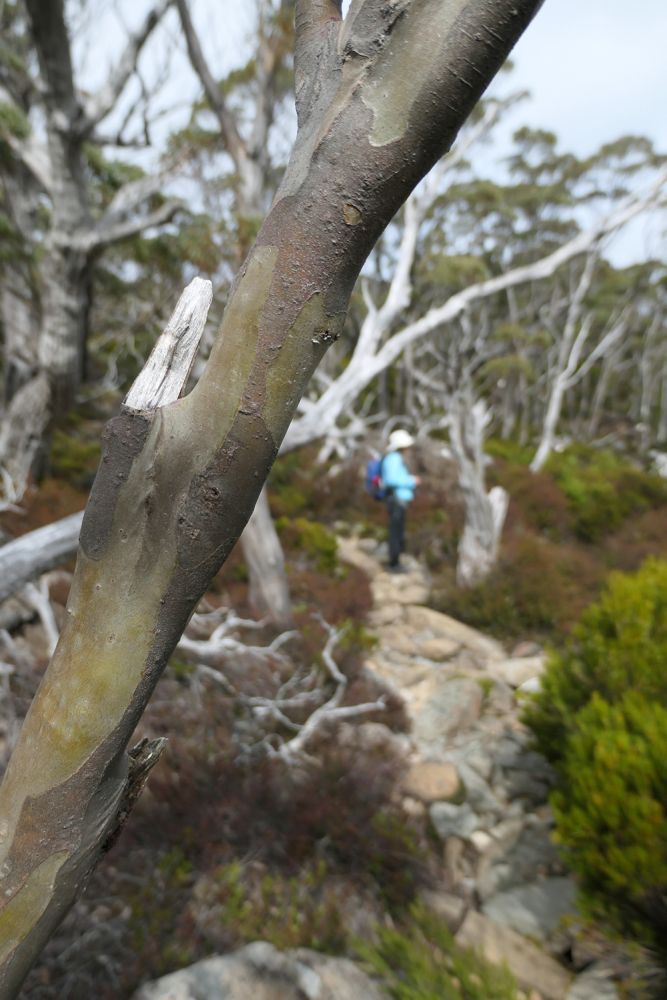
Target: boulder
(450,820)
(517,670)
(535,910)
(432,781)
(422,619)
(439,708)
(261,972)
(452,909)
(389,588)
(594,984)
(533,969)
(478,793)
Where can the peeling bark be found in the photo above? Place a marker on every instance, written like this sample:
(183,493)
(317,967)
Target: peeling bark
(177,484)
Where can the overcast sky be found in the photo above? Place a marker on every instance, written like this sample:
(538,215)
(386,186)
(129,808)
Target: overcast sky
(596,69)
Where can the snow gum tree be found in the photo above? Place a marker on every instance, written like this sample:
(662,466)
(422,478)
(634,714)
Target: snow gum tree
(380,95)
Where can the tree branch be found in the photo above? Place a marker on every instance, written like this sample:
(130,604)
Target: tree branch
(230,133)
(101,104)
(163,377)
(107,232)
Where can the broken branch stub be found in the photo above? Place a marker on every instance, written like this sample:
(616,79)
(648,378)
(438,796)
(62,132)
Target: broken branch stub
(163,377)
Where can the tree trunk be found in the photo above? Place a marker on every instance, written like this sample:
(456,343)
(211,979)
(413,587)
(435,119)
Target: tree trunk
(269,590)
(478,549)
(484,512)
(378,97)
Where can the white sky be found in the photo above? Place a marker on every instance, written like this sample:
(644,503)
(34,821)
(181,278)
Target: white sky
(596,69)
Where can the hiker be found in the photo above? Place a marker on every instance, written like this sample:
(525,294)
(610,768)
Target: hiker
(399,486)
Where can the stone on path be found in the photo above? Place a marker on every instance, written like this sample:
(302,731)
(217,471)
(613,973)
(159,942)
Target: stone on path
(518,670)
(533,969)
(439,708)
(442,626)
(261,972)
(536,909)
(432,781)
(593,984)
(451,820)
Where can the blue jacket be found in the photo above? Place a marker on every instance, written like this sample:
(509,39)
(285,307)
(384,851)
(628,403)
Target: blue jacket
(396,477)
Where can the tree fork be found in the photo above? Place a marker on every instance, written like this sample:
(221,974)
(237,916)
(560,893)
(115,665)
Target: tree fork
(176,484)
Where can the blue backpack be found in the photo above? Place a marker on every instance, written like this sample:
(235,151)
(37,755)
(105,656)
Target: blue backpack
(374,484)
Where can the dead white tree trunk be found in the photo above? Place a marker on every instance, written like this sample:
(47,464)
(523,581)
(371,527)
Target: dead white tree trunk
(485,512)
(569,368)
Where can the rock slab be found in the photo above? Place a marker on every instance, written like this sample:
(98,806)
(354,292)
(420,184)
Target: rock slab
(533,969)
(261,972)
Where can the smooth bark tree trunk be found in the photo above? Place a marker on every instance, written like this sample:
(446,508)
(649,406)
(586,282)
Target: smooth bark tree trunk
(268,586)
(379,98)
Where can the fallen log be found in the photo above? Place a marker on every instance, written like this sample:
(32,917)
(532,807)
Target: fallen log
(36,552)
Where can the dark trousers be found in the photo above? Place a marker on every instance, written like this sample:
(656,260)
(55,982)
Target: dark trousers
(396,529)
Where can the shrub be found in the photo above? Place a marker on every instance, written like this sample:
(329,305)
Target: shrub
(535,588)
(620,645)
(312,539)
(301,911)
(611,813)
(421,961)
(74,459)
(603,490)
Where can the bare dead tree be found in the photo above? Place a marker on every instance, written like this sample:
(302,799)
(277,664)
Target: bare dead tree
(569,366)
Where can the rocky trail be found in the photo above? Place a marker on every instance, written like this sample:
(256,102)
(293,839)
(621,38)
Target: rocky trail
(504,891)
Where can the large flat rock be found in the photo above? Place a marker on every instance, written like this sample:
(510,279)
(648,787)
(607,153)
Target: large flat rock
(533,969)
(535,910)
(439,708)
(261,972)
(594,984)
(423,619)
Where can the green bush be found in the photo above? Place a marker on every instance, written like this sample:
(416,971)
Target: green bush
(527,592)
(603,490)
(421,961)
(611,813)
(291,912)
(620,645)
(312,539)
(74,458)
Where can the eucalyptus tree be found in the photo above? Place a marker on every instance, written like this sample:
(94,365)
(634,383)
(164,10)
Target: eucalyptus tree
(380,94)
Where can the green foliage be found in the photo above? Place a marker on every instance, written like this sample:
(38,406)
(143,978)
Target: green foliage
(153,906)
(73,458)
(620,645)
(288,911)
(421,961)
(13,121)
(509,450)
(313,539)
(611,812)
(527,592)
(603,489)
(288,484)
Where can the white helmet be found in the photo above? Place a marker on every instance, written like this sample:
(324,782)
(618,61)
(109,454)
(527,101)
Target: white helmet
(400,439)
